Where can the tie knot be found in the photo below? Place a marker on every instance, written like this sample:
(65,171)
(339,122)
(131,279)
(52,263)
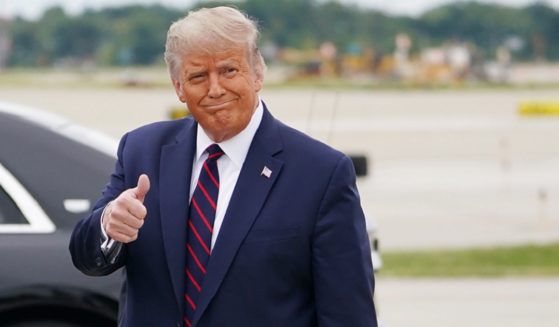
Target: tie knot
(214,151)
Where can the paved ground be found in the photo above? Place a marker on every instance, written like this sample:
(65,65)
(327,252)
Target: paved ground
(469,302)
(449,169)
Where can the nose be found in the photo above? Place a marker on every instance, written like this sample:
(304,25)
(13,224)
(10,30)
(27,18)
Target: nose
(216,89)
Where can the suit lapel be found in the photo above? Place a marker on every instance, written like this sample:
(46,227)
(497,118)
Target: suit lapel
(251,191)
(175,173)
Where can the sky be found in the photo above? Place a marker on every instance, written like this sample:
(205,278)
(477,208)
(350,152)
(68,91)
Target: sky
(33,9)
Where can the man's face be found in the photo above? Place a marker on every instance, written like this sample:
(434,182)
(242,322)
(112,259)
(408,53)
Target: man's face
(220,90)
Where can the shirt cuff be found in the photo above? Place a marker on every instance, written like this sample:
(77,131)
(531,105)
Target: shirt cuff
(109,247)
(104,237)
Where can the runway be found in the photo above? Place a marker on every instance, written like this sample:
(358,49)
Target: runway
(504,302)
(447,168)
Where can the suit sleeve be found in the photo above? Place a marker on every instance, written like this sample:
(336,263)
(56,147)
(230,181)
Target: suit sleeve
(342,268)
(86,239)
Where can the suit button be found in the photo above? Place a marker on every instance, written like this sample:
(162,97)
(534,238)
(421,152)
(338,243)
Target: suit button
(98,262)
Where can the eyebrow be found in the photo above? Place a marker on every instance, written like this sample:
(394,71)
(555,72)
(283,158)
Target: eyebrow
(196,70)
(226,62)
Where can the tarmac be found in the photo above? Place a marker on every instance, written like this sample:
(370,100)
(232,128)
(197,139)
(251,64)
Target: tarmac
(447,169)
(502,302)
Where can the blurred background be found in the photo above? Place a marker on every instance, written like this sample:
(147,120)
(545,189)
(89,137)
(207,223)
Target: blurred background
(454,105)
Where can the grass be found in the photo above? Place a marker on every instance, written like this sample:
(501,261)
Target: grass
(524,261)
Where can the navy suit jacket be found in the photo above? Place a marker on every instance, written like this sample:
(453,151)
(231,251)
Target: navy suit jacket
(292,251)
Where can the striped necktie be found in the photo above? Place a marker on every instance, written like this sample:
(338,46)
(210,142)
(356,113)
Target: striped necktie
(199,230)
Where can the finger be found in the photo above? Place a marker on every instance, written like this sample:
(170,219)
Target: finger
(123,216)
(122,227)
(137,209)
(127,203)
(142,188)
(124,238)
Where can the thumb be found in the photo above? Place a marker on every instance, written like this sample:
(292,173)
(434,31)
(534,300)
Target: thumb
(143,187)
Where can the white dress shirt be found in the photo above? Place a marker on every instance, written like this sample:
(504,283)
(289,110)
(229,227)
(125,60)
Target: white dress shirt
(228,165)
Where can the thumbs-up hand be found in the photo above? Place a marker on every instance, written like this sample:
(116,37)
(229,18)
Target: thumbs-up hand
(125,215)
(143,187)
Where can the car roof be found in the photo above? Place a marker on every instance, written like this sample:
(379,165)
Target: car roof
(63,126)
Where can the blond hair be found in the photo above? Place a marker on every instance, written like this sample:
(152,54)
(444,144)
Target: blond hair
(211,30)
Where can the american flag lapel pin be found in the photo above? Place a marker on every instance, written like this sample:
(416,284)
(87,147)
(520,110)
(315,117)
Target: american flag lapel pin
(266,172)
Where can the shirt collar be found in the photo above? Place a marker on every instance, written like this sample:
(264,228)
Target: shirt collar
(236,148)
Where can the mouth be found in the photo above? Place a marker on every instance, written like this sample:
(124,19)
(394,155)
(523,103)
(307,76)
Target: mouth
(218,106)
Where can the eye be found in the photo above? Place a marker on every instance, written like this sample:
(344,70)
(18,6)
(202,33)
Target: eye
(196,78)
(230,71)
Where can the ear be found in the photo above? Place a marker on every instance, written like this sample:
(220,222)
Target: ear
(179,90)
(258,80)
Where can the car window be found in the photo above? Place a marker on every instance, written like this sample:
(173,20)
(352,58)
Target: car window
(9,212)
(19,210)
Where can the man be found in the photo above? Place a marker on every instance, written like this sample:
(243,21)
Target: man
(230,218)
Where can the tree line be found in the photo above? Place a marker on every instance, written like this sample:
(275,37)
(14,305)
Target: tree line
(135,35)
